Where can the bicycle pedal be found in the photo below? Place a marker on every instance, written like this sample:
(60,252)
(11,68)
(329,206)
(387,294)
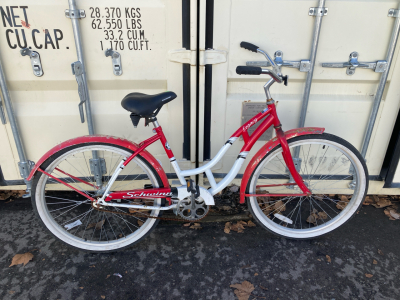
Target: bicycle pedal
(192,188)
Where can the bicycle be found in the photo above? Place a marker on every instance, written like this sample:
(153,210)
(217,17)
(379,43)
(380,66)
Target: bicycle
(291,197)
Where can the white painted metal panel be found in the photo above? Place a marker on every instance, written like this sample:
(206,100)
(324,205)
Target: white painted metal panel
(46,107)
(338,102)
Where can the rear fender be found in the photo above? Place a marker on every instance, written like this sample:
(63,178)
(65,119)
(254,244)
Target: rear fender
(106,140)
(271,144)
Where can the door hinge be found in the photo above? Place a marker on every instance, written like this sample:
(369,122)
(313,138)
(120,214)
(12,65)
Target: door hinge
(206,57)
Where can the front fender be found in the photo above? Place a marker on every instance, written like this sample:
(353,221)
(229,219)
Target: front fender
(271,144)
(106,139)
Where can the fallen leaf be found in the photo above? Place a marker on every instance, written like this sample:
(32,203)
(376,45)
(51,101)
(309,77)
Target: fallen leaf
(368,201)
(243,223)
(228,226)
(233,188)
(375,262)
(103,297)
(196,226)
(394,214)
(11,292)
(312,219)
(264,288)
(108,276)
(225,207)
(328,259)
(97,225)
(318,259)
(342,203)
(81,287)
(140,223)
(21,259)
(368,275)
(243,290)
(381,202)
(380,252)
(251,224)
(279,206)
(238,227)
(322,215)
(255,274)
(187,224)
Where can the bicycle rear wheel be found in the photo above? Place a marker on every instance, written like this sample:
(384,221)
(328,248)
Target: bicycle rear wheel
(71,217)
(332,169)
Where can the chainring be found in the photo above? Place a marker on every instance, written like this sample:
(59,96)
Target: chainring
(192,212)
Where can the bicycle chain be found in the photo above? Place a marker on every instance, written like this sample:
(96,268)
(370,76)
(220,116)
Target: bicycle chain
(146,216)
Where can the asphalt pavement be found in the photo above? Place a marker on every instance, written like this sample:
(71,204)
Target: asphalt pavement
(177,262)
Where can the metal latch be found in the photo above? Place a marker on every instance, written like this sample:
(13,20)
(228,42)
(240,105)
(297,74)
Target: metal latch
(35,61)
(116,61)
(75,14)
(78,71)
(318,11)
(379,66)
(302,65)
(395,13)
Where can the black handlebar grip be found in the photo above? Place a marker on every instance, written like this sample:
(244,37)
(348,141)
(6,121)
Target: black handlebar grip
(244,70)
(249,46)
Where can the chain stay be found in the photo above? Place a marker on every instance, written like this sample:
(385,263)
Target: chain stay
(145,216)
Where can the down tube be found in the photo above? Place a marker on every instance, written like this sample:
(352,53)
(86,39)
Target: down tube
(243,154)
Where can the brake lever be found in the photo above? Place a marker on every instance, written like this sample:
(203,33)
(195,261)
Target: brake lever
(285,79)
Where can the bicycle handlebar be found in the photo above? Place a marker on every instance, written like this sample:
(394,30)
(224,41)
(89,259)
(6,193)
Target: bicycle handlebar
(245,70)
(249,46)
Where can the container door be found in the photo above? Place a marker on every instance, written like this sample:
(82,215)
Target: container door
(46,107)
(338,102)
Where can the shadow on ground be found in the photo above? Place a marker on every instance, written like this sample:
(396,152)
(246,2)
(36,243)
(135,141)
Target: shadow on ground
(177,262)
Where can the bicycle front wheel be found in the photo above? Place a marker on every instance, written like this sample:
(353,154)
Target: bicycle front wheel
(333,170)
(70,216)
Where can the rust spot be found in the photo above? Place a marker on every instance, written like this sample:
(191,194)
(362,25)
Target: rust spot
(25,24)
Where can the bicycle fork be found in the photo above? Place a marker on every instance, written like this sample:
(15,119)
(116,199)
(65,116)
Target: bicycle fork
(287,157)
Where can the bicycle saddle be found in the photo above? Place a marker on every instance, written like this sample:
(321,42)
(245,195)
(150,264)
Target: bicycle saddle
(146,105)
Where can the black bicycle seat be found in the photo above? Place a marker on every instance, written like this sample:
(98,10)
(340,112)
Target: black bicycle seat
(146,105)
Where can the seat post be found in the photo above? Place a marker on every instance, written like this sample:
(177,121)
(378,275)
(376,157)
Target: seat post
(154,121)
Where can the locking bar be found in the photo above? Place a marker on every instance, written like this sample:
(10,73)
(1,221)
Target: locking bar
(2,115)
(116,61)
(379,66)
(24,164)
(78,71)
(35,61)
(302,65)
(75,13)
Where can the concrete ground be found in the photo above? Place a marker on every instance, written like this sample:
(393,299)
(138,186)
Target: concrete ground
(177,262)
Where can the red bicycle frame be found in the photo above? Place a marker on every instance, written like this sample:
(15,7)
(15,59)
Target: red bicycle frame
(268,118)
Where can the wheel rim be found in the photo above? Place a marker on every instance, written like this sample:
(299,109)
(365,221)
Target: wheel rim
(320,213)
(99,231)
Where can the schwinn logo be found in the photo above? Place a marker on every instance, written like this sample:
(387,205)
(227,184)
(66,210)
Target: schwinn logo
(143,194)
(250,124)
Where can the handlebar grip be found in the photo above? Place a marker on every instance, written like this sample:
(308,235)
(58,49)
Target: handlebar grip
(249,46)
(244,70)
